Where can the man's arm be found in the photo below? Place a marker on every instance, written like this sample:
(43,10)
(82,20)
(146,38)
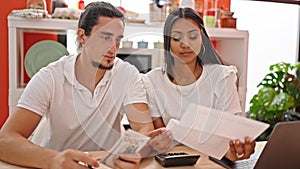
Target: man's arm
(15,148)
(139,117)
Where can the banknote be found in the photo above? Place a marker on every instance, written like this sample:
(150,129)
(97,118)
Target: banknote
(130,142)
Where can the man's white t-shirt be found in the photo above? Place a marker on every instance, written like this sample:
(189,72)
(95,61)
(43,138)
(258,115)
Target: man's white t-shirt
(216,88)
(76,118)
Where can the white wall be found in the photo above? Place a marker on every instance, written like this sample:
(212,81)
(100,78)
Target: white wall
(273,36)
(140,6)
(73,3)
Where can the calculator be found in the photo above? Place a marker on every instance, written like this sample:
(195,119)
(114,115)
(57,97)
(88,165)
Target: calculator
(177,159)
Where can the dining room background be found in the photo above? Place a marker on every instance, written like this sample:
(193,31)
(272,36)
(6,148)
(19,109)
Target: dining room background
(273,37)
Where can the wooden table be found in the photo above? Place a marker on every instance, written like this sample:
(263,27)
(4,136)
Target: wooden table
(150,163)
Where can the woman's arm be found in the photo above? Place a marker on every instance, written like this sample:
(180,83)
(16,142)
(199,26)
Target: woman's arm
(158,122)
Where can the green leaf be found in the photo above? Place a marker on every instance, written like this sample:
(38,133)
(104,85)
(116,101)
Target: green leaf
(272,80)
(281,67)
(266,95)
(293,89)
(297,71)
(281,102)
(260,102)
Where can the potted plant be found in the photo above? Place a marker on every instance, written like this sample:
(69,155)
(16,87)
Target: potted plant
(278,98)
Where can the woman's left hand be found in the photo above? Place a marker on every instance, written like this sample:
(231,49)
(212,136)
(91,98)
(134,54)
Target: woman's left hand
(161,139)
(239,150)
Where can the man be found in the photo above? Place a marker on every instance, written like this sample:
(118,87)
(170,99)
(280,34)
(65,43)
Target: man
(82,98)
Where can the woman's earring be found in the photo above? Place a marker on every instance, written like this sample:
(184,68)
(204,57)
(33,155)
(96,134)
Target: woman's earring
(203,49)
(163,68)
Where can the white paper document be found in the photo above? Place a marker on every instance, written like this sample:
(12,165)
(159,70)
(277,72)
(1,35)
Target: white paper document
(209,131)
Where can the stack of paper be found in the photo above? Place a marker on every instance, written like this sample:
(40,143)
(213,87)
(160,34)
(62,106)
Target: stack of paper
(209,131)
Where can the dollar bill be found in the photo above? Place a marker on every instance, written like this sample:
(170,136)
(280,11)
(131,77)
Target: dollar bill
(129,143)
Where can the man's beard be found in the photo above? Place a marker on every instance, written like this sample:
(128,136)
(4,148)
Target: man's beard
(101,66)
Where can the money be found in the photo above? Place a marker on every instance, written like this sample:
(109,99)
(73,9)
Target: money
(129,143)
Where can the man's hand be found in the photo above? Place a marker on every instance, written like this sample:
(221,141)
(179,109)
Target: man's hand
(131,161)
(69,159)
(239,150)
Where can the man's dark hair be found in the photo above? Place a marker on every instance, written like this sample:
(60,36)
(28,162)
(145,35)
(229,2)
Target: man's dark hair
(89,17)
(93,10)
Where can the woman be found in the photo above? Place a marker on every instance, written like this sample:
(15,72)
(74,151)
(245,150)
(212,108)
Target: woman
(194,73)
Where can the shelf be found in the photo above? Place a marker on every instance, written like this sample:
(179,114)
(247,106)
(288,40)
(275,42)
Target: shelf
(232,45)
(226,33)
(45,23)
(65,24)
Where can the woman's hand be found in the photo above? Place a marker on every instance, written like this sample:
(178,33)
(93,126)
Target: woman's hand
(239,150)
(161,139)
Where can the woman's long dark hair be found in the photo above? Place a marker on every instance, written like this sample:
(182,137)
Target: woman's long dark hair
(207,55)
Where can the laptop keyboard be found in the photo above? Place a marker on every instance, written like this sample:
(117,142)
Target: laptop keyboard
(242,164)
(248,163)
(245,164)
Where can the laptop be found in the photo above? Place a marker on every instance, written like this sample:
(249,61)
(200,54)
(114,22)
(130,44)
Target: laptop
(282,150)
